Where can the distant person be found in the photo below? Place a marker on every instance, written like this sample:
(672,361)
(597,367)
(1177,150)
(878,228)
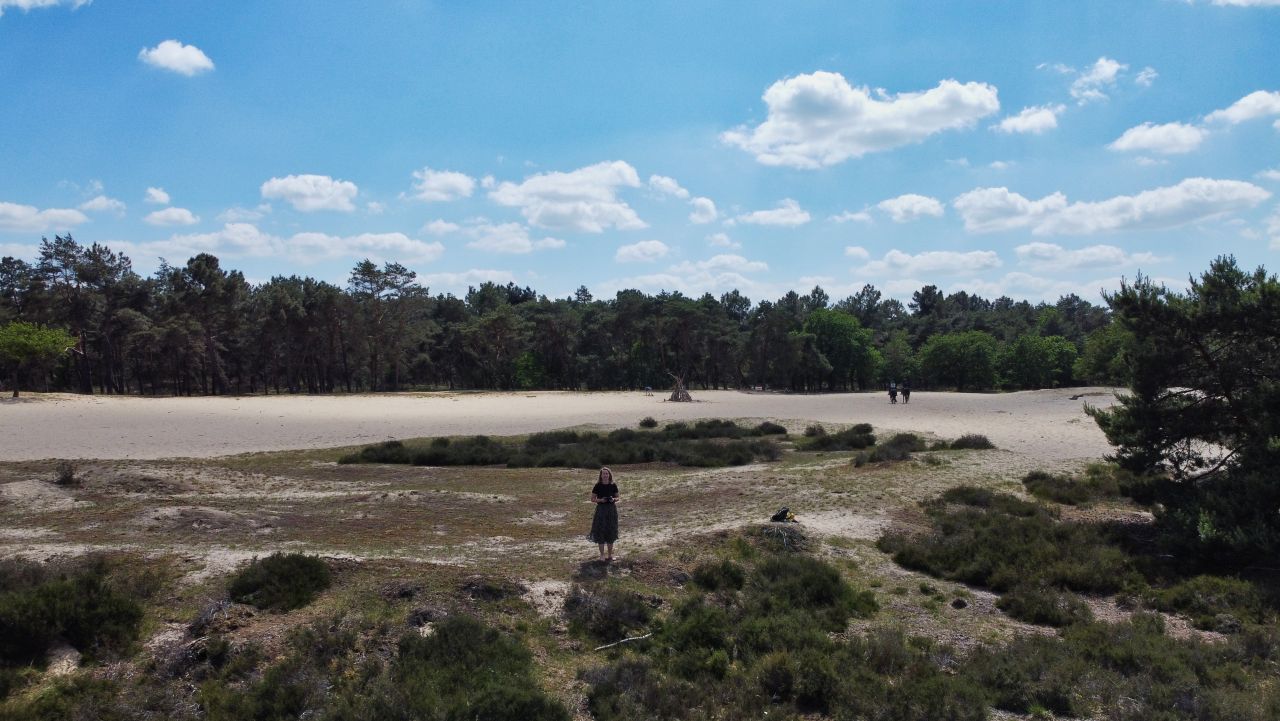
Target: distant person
(893,392)
(906,392)
(604,527)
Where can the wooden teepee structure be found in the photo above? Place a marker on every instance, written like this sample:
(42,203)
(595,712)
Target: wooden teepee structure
(679,394)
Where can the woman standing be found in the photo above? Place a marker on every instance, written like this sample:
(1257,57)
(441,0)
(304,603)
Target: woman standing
(604,527)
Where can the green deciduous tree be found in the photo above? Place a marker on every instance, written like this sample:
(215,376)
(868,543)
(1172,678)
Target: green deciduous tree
(24,345)
(965,361)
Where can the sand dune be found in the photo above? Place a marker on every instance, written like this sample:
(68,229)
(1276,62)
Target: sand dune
(1043,424)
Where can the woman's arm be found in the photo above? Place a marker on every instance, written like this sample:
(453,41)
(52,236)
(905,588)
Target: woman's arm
(594,497)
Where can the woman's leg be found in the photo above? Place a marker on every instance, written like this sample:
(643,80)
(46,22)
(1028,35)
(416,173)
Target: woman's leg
(610,551)
(602,550)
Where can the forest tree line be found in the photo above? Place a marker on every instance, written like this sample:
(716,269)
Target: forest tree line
(199,328)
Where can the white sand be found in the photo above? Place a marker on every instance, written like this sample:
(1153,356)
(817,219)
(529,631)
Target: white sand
(1043,424)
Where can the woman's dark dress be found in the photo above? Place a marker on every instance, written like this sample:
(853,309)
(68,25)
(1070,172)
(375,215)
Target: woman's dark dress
(604,527)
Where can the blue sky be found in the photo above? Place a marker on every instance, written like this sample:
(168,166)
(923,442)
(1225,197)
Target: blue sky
(1027,148)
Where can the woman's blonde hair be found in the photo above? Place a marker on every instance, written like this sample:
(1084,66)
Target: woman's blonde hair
(604,470)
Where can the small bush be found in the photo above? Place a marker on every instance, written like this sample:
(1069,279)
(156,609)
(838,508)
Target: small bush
(1044,606)
(280,582)
(971,442)
(851,439)
(898,448)
(769,428)
(1096,484)
(65,474)
(606,614)
(648,422)
(722,575)
(1205,598)
(814,430)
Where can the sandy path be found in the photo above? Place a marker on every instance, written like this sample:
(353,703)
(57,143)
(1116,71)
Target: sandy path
(1042,424)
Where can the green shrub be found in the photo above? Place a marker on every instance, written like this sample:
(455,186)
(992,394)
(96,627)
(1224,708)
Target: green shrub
(971,441)
(715,576)
(814,430)
(898,448)
(1096,484)
(280,582)
(710,443)
(769,428)
(82,609)
(1205,598)
(1044,606)
(851,439)
(606,614)
(808,584)
(999,541)
(648,422)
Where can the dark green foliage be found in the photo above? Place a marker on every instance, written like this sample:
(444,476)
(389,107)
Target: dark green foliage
(1097,483)
(898,448)
(769,428)
(1000,542)
(76,697)
(814,430)
(1202,413)
(648,422)
(964,361)
(717,575)
(1104,360)
(1036,361)
(850,439)
(709,443)
(971,442)
(1044,606)
(1129,670)
(790,583)
(280,582)
(606,613)
(1207,599)
(78,606)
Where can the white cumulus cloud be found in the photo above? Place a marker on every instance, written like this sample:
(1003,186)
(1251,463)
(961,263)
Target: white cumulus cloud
(1167,139)
(174,56)
(1034,120)
(1193,199)
(704,211)
(1146,77)
(28,5)
(1050,256)
(442,185)
(722,240)
(723,262)
(156,196)
(396,247)
(862,216)
(104,204)
(856,251)
(911,206)
(310,193)
(460,281)
(1269,174)
(788,213)
(1093,83)
(171,216)
(646,251)
(663,185)
(1258,104)
(931,262)
(440,227)
(507,238)
(29,219)
(819,119)
(585,199)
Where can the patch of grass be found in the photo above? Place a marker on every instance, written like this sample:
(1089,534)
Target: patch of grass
(1212,602)
(710,443)
(280,582)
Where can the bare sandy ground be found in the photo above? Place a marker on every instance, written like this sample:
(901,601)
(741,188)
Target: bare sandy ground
(1048,425)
